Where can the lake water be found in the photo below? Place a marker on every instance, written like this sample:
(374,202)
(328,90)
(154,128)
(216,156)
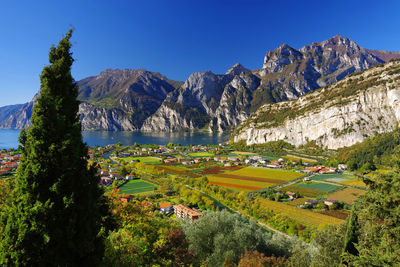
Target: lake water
(9,138)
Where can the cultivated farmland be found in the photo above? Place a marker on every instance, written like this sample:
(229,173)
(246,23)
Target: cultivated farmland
(347,195)
(136,186)
(305,217)
(319,186)
(238,182)
(201,154)
(252,178)
(142,159)
(306,192)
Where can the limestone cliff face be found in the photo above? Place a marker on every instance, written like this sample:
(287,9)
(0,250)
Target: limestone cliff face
(288,73)
(206,101)
(335,116)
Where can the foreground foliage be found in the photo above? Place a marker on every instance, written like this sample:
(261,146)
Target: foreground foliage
(53,215)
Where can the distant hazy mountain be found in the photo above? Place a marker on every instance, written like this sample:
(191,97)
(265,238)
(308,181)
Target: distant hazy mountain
(139,99)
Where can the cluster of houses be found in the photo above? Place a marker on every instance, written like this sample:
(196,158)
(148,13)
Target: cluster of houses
(321,169)
(107,176)
(8,163)
(146,151)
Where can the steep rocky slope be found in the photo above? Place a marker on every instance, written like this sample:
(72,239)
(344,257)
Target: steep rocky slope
(337,115)
(114,100)
(204,100)
(286,74)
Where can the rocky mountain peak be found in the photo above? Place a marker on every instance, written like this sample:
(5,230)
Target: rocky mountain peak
(237,69)
(119,75)
(275,60)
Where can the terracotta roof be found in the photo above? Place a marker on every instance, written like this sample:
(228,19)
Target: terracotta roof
(164,205)
(187,210)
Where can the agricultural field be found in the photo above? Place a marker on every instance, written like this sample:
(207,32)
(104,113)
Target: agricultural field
(237,182)
(347,195)
(242,153)
(297,201)
(179,171)
(252,178)
(337,178)
(136,186)
(319,186)
(201,154)
(340,214)
(297,158)
(267,173)
(303,216)
(305,192)
(142,159)
(354,182)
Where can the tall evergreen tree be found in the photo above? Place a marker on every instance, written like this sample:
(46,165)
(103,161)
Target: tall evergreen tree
(54,213)
(379,220)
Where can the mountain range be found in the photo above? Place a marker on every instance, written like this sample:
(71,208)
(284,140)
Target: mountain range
(129,100)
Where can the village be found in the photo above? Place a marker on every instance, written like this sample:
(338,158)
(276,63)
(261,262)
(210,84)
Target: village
(140,172)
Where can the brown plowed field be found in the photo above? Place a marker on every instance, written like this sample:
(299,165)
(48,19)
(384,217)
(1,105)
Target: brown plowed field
(236,185)
(248,178)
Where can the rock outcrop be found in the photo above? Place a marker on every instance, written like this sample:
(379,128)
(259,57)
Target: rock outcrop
(335,116)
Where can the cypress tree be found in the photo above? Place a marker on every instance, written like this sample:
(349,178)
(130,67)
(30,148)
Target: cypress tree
(351,237)
(54,212)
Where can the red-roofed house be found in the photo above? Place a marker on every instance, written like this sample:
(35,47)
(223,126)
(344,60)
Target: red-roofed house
(183,211)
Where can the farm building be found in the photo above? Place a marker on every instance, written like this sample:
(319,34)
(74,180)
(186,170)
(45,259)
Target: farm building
(311,202)
(130,177)
(291,195)
(166,208)
(183,211)
(126,199)
(330,202)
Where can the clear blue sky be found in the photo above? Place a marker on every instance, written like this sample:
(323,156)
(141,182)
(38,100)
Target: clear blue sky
(176,38)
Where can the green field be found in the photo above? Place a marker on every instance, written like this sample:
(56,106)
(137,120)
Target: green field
(319,186)
(136,186)
(336,178)
(305,192)
(201,154)
(142,159)
(268,173)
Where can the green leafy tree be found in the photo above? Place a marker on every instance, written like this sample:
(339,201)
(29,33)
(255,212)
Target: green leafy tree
(217,236)
(54,213)
(379,219)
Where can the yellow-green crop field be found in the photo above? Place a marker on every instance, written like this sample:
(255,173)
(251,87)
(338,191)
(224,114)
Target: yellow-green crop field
(297,158)
(252,178)
(142,159)
(245,184)
(305,217)
(267,173)
(201,154)
(354,182)
(347,195)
